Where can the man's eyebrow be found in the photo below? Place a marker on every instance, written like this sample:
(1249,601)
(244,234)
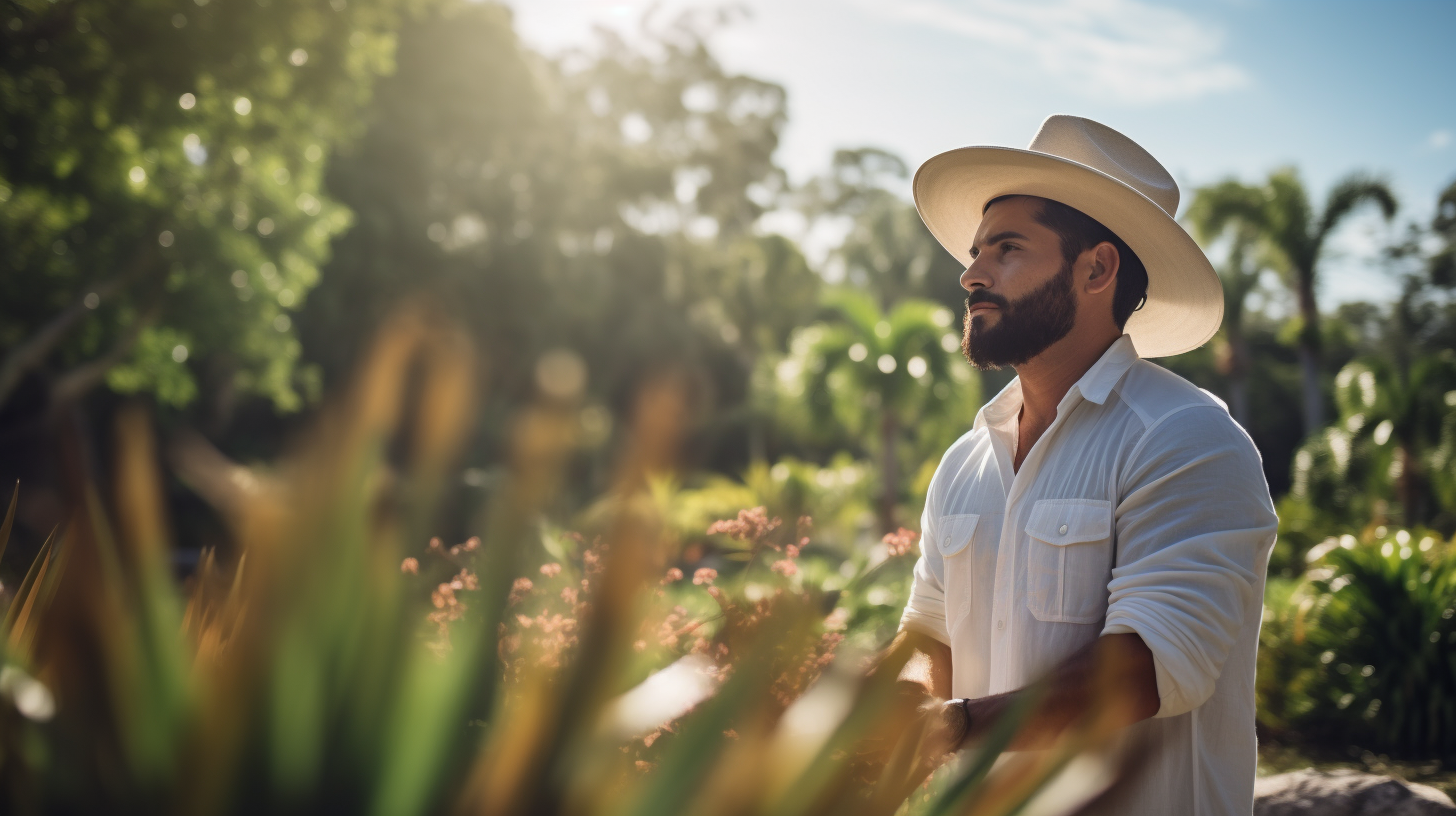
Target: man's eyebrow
(1001,236)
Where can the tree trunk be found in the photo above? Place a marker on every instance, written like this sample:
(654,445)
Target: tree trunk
(1239,377)
(1309,357)
(1239,401)
(1410,487)
(889,471)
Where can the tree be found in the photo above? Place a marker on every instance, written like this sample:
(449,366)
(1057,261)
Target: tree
(1280,211)
(1443,225)
(879,373)
(160,210)
(1240,276)
(887,249)
(599,205)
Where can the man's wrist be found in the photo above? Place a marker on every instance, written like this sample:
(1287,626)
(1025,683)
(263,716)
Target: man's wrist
(958,720)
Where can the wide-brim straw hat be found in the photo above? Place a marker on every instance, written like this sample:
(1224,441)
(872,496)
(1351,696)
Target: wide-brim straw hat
(1095,169)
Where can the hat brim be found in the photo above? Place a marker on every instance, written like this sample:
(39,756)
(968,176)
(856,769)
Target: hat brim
(1185,298)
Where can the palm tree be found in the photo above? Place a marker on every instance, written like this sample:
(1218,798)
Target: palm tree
(880,373)
(1406,411)
(1280,212)
(1443,263)
(1239,276)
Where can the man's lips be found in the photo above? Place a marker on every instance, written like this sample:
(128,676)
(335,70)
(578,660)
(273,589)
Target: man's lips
(982,307)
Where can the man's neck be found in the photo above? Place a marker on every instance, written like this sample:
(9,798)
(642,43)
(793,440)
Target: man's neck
(1046,378)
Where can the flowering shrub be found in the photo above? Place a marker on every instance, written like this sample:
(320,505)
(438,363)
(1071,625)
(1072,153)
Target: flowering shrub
(547,609)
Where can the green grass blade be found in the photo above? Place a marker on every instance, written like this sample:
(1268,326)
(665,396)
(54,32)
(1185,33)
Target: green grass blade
(23,594)
(9,522)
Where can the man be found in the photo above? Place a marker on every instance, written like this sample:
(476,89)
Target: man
(1105,525)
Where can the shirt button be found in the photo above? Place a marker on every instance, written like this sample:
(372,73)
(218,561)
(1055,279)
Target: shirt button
(1000,624)
(1062,529)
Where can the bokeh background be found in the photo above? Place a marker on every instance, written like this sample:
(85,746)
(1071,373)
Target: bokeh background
(210,207)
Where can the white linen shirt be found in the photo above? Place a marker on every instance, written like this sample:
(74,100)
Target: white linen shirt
(1142,508)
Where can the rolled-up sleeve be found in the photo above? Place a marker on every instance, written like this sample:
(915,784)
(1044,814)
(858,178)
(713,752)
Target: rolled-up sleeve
(925,611)
(1194,530)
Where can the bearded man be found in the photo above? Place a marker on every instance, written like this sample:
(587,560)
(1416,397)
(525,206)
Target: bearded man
(1105,526)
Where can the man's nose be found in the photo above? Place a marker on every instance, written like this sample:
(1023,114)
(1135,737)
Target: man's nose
(974,277)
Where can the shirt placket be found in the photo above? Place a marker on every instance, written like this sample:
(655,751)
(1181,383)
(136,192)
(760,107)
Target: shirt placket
(1005,593)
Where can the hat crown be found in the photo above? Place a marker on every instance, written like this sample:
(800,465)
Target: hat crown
(1104,149)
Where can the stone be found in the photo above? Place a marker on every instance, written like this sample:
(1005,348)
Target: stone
(1346,793)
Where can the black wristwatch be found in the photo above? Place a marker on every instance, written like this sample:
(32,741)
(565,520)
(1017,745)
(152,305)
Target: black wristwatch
(956,714)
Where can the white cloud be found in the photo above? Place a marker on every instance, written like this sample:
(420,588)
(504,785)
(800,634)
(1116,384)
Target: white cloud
(1126,50)
(1439,139)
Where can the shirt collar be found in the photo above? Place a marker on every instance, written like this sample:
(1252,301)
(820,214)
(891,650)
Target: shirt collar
(1094,385)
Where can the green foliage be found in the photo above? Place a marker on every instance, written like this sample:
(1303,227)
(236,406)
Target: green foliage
(1361,650)
(160,185)
(1390,449)
(836,496)
(886,378)
(1443,224)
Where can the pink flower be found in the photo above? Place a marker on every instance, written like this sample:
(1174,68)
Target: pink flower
(785,567)
(551,569)
(750,525)
(410,566)
(901,541)
(673,574)
(705,575)
(791,551)
(519,589)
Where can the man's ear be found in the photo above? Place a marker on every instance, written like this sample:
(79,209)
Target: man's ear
(1104,262)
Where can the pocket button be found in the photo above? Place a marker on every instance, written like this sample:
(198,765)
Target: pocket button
(1062,529)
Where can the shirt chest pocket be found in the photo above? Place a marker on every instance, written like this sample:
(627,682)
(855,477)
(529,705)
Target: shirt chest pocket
(954,533)
(1069,559)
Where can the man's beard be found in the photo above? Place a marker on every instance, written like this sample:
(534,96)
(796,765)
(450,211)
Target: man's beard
(1027,326)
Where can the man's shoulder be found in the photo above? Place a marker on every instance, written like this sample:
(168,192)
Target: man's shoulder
(1172,408)
(1155,394)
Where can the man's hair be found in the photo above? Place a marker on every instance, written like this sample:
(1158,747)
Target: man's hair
(1080,232)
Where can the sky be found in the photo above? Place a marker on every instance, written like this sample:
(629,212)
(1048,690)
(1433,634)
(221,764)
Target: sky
(1213,89)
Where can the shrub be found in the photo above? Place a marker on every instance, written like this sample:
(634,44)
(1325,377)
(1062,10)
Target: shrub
(1364,649)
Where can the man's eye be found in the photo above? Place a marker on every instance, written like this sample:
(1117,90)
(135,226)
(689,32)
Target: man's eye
(974,253)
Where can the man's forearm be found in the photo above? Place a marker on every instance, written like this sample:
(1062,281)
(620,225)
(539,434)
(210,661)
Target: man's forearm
(928,664)
(1113,675)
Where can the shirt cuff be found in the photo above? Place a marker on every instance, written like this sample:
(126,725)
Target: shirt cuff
(916,621)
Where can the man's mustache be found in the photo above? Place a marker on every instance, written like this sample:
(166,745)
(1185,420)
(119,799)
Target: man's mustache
(983,296)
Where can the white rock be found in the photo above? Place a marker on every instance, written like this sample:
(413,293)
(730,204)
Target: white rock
(1346,793)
